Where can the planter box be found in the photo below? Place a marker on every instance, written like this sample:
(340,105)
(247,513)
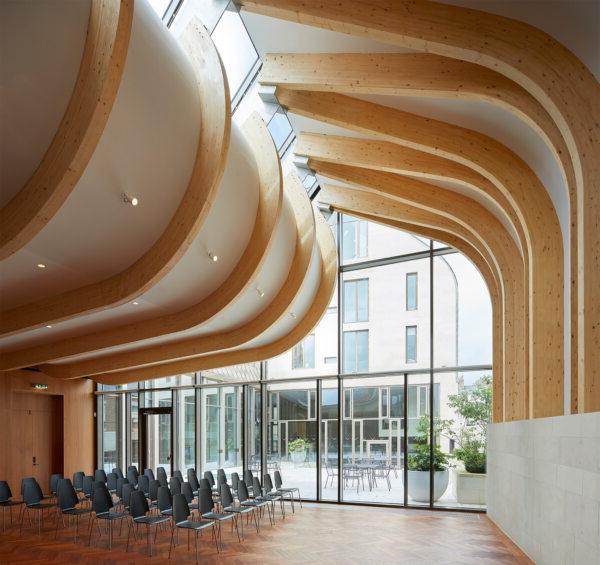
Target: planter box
(468,488)
(298,456)
(418,485)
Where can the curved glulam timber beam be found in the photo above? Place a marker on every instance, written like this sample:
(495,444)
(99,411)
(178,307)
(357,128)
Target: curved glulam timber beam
(315,312)
(185,223)
(270,202)
(492,284)
(194,346)
(397,197)
(541,65)
(509,174)
(96,87)
(396,158)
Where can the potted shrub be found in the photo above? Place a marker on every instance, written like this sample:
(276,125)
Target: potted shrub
(474,410)
(297,450)
(419,466)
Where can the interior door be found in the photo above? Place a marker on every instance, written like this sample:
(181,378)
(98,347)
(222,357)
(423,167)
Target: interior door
(157,438)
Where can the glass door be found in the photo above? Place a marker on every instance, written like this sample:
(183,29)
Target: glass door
(156,445)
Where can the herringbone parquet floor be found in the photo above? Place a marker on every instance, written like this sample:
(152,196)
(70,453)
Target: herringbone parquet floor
(328,534)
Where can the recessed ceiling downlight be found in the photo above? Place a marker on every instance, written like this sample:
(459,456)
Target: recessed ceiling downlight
(260,291)
(213,257)
(41,266)
(130,199)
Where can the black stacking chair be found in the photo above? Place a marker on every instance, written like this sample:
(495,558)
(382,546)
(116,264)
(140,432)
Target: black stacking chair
(161,476)
(186,490)
(128,488)
(144,484)
(207,510)
(249,480)
(78,481)
(274,495)
(133,468)
(101,505)
(153,493)
(280,488)
(193,480)
(111,482)
(178,475)
(150,474)
(181,513)
(54,482)
(32,497)
(68,505)
(221,477)
(175,485)
(165,501)
(138,508)
(210,478)
(259,500)
(228,506)
(6,502)
(100,476)
(117,471)
(132,476)
(88,487)
(119,490)
(33,480)
(235,480)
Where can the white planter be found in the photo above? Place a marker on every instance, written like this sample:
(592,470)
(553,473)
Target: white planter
(418,485)
(298,456)
(468,488)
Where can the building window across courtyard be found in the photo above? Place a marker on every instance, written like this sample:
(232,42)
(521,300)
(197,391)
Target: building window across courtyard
(354,238)
(303,355)
(411,291)
(356,301)
(356,351)
(411,344)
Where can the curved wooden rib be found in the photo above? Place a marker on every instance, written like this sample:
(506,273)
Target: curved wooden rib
(187,220)
(510,175)
(438,216)
(303,328)
(393,157)
(268,214)
(493,286)
(98,80)
(203,344)
(545,68)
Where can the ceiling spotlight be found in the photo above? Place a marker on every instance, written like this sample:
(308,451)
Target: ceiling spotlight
(293,315)
(260,291)
(214,258)
(135,303)
(48,326)
(41,266)
(130,200)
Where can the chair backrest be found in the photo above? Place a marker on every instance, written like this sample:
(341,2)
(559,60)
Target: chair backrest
(101,501)
(33,493)
(5,493)
(256,487)
(165,499)
(78,479)
(97,484)
(23,483)
(268,483)
(235,479)
(181,510)
(111,481)
(132,476)
(100,475)
(248,476)
(210,478)
(204,483)
(162,480)
(160,472)
(175,486)
(205,500)
(88,484)
(54,481)
(178,475)
(153,492)
(138,505)
(278,481)
(221,476)
(66,495)
(193,479)
(126,497)
(144,484)
(226,496)
(186,490)
(117,471)
(120,482)
(242,491)
(150,474)
(133,468)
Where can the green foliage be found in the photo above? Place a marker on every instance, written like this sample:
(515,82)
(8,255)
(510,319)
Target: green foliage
(299,444)
(472,454)
(419,459)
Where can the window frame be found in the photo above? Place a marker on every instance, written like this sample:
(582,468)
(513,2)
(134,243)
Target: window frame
(357,309)
(416,301)
(301,347)
(406,336)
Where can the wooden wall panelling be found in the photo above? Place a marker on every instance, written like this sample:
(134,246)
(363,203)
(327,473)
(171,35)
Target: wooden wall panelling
(546,69)
(185,223)
(395,197)
(302,329)
(17,394)
(253,257)
(96,87)
(198,345)
(493,286)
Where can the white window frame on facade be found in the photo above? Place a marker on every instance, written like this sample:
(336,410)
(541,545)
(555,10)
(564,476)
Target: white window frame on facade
(301,346)
(411,360)
(356,349)
(416,301)
(361,226)
(355,283)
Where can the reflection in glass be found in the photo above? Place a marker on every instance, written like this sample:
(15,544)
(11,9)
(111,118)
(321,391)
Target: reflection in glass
(356,351)
(112,436)
(185,436)
(134,430)
(158,441)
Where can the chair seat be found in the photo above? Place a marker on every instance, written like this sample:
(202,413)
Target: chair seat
(215,516)
(167,512)
(41,505)
(237,509)
(286,490)
(194,525)
(11,502)
(112,515)
(76,511)
(251,503)
(150,519)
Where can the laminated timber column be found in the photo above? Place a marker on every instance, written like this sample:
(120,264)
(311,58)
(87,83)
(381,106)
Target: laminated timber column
(542,66)
(406,200)
(315,311)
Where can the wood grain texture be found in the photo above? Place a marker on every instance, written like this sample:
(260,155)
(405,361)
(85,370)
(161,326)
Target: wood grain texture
(541,65)
(268,214)
(200,345)
(392,196)
(315,312)
(75,140)
(318,533)
(193,209)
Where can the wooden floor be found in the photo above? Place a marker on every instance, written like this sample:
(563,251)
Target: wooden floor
(315,534)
